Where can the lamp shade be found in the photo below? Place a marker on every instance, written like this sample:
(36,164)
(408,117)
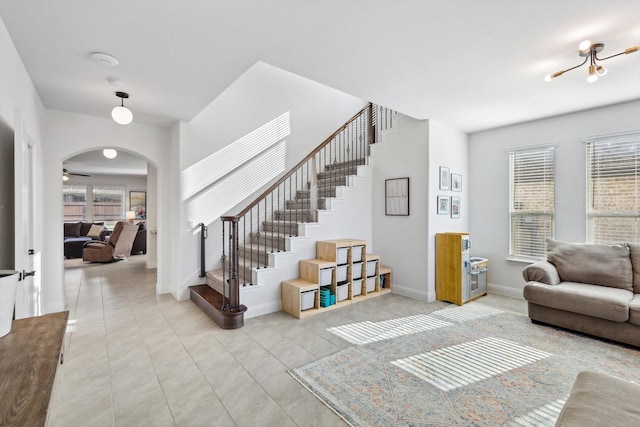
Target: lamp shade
(130,215)
(122,115)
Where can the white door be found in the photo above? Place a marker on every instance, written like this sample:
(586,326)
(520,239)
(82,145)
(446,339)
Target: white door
(27,293)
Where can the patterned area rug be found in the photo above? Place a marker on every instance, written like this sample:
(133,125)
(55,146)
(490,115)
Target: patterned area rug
(469,365)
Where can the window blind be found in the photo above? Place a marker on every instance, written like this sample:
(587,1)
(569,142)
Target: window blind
(108,203)
(613,189)
(74,200)
(531,201)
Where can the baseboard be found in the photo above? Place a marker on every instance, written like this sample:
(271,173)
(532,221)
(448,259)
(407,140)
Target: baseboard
(259,310)
(410,292)
(506,291)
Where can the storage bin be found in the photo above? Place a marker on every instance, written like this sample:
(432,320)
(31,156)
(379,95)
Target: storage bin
(356,287)
(356,271)
(342,292)
(341,273)
(307,299)
(371,284)
(325,276)
(342,255)
(356,253)
(371,268)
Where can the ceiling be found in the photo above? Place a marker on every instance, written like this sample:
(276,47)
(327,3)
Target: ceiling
(471,64)
(93,162)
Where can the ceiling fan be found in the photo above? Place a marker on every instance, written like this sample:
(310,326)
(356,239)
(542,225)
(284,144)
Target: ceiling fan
(66,174)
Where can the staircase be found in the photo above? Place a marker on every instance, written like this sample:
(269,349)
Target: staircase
(272,236)
(264,227)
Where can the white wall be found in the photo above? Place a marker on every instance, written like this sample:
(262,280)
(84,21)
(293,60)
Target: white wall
(259,96)
(416,149)
(489,182)
(69,134)
(401,241)
(448,147)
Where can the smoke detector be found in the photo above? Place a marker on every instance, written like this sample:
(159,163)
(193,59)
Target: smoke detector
(104,59)
(115,82)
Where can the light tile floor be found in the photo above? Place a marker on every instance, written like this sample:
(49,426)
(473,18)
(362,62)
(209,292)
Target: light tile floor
(133,358)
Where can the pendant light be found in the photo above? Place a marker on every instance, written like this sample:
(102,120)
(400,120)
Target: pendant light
(121,114)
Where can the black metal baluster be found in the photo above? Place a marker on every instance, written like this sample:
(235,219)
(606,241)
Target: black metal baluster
(257,239)
(272,214)
(284,208)
(244,259)
(251,234)
(296,200)
(265,236)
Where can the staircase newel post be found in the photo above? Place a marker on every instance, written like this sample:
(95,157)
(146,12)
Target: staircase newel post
(234,288)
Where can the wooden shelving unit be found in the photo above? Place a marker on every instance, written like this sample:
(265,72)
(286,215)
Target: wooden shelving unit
(337,255)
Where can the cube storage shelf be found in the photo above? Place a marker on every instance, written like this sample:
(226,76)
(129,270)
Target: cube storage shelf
(342,273)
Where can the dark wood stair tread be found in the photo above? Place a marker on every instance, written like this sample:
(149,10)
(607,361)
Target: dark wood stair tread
(211,301)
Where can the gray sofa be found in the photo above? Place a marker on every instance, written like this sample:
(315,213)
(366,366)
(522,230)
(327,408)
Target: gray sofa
(589,288)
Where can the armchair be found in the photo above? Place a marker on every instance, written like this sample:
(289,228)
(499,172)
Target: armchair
(105,251)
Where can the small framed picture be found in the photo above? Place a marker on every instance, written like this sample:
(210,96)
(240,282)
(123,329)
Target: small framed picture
(138,203)
(455,207)
(443,205)
(456,182)
(396,194)
(444,178)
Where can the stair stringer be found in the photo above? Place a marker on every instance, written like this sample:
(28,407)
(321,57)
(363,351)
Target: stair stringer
(348,215)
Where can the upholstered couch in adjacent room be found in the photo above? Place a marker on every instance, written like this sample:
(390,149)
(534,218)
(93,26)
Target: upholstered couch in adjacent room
(589,288)
(76,234)
(140,242)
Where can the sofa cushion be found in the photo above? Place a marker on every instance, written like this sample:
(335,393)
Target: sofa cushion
(634,310)
(72,229)
(634,248)
(591,300)
(86,226)
(605,265)
(94,231)
(598,399)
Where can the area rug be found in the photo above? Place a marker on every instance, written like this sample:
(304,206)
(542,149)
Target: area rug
(469,365)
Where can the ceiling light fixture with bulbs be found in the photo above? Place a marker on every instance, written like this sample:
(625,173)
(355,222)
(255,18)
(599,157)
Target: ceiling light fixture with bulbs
(121,114)
(590,53)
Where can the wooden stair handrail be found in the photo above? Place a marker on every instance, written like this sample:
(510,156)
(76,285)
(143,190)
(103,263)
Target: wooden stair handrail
(296,167)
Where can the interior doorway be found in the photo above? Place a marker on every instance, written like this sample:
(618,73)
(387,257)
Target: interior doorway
(107,189)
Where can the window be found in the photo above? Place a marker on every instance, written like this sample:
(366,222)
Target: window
(531,201)
(74,200)
(108,203)
(613,189)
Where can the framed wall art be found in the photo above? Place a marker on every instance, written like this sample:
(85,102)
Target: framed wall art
(396,196)
(138,203)
(443,205)
(456,182)
(455,207)
(444,178)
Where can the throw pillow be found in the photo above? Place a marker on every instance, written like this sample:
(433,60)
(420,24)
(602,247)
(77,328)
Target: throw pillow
(72,229)
(605,265)
(94,231)
(634,248)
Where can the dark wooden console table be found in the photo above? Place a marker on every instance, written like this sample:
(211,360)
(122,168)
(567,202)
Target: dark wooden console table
(29,357)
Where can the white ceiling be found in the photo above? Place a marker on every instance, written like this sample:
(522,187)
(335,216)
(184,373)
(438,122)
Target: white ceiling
(94,162)
(472,64)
